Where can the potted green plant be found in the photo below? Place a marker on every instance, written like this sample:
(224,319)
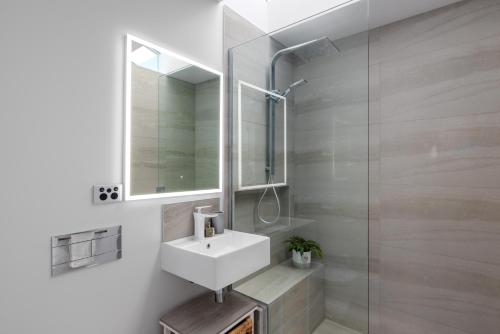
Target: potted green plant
(302,251)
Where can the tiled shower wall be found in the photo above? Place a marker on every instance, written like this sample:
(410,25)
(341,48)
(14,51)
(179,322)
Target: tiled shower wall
(331,172)
(251,61)
(434,152)
(435,172)
(236,31)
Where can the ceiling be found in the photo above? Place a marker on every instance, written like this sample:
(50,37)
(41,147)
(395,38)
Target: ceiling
(347,18)
(193,74)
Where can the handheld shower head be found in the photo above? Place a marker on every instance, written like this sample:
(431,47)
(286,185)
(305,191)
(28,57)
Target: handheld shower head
(296,84)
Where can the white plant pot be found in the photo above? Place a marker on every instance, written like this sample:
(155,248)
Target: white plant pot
(302,261)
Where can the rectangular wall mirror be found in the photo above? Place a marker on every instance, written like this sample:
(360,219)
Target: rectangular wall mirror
(173,124)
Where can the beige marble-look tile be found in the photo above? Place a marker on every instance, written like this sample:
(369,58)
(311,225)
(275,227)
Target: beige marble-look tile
(374,211)
(374,304)
(346,290)
(331,159)
(144,143)
(144,186)
(144,123)
(374,94)
(343,236)
(206,139)
(348,314)
(315,299)
(316,180)
(459,23)
(350,200)
(374,259)
(295,300)
(394,321)
(295,309)
(245,204)
(332,142)
(244,211)
(447,221)
(296,324)
(275,316)
(250,64)
(178,221)
(347,283)
(449,82)
(350,107)
(336,96)
(144,165)
(295,297)
(330,327)
(144,90)
(448,291)
(354,203)
(236,30)
(276,282)
(433,259)
(460,151)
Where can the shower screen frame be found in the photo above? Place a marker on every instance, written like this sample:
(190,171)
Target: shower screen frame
(240,185)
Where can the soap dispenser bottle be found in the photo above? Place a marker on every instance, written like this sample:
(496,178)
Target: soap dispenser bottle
(199,222)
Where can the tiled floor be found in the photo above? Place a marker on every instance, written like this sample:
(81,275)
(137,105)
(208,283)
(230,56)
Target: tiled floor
(329,327)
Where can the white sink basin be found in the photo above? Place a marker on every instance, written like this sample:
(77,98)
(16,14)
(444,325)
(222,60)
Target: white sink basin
(218,261)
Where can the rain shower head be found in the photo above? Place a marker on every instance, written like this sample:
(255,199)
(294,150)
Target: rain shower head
(315,44)
(273,100)
(322,47)
(306,51)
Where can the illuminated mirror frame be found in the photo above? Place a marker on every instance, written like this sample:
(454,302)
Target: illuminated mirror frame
(128,123)
(240,186)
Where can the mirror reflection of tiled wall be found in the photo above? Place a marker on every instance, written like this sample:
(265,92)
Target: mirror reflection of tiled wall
(175,133)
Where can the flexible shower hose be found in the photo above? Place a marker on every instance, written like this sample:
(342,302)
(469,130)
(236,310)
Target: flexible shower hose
(270,183)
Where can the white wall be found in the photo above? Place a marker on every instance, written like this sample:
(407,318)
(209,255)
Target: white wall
(255,11)
(282,13)
(61,114)
(275,14)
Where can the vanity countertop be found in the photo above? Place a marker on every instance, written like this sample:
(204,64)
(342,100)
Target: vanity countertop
(203,315)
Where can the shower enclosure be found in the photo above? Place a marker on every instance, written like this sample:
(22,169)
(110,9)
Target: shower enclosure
(298,106)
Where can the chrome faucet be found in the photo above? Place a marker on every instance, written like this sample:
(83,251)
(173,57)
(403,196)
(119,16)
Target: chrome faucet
(199,221)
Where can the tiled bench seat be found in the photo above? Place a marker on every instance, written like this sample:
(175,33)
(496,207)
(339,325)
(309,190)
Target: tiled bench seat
(294,297)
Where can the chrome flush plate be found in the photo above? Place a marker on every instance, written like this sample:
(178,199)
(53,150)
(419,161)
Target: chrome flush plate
(85,249)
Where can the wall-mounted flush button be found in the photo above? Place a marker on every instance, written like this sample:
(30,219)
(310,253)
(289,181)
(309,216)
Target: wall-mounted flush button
(104,194)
